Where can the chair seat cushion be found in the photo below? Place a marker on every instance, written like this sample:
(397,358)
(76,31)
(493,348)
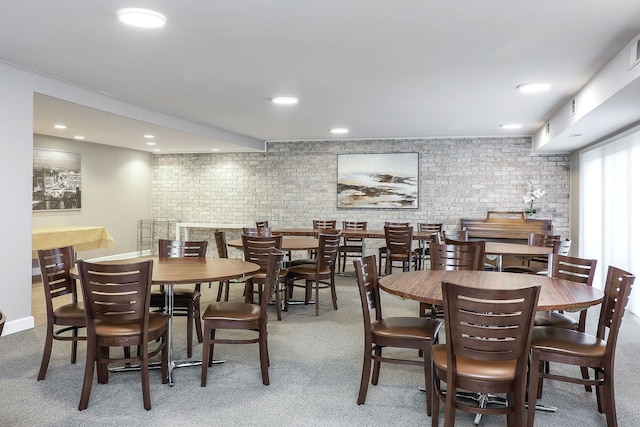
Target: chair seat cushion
(555,319)
(231,311)
(567,342)
(406,327)
(157,323)
(306,270)
(261,276)
(74,310)
(486,370)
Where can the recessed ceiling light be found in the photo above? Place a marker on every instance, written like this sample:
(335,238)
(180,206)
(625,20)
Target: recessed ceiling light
(215,149)
(59,126)
(78,137)
(156,150)
(149,136)
(534,87)
(511,126)
(150,143)
(285,100)
(339,130)
(143,18)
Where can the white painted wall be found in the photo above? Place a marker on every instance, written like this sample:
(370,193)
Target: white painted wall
(16,142)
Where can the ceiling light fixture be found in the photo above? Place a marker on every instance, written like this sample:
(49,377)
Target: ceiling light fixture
(511,126)
(78,137)
(534,87)
(215,149)
(142,18)
(150,143)
(339,131)
(149,136)
(59,126)
(285,100)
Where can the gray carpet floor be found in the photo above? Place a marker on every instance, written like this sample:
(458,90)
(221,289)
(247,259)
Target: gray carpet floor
(315,373)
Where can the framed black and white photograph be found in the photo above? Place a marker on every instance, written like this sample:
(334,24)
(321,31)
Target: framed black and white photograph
(56,180)
(378,181)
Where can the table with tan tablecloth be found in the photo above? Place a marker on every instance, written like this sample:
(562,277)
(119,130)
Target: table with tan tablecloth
(80,237)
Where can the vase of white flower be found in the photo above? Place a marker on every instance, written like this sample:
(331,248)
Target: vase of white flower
(531,196)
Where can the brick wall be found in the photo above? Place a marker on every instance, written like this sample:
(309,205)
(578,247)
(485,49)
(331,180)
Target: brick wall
(295,182)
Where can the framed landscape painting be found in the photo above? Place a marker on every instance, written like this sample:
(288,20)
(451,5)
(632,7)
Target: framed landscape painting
(56,180)
(387,181)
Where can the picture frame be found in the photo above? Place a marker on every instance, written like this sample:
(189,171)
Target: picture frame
(378,181)
(56,180)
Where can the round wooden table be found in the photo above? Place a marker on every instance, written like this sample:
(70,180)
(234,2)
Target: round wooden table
(555,294)
(188,270)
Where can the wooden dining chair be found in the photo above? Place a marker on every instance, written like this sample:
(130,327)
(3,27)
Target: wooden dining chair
(572,347)
(460,235)
(186,301)
(488,332)
(453,255)
(421,253)
(235,315)
(117,298)
(322,272)
(578,270)
(257,249)
(318,225)
(382,250)
(541,262)
(69,317)
(390,332)
(398,241)
(351,246)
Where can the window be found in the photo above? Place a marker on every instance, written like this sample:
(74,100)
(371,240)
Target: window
(610,207)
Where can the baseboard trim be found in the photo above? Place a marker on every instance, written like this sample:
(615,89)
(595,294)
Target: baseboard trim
(18,325)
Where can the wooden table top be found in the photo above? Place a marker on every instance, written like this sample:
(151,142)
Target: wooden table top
(500,248)
(175,271)
(288,243)
(555,294)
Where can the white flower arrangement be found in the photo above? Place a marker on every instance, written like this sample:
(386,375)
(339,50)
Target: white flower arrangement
(531,196)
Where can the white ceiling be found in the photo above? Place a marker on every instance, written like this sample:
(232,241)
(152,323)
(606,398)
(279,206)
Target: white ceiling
(382,68)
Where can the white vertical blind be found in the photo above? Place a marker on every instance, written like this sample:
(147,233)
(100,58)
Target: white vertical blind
(609,207)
